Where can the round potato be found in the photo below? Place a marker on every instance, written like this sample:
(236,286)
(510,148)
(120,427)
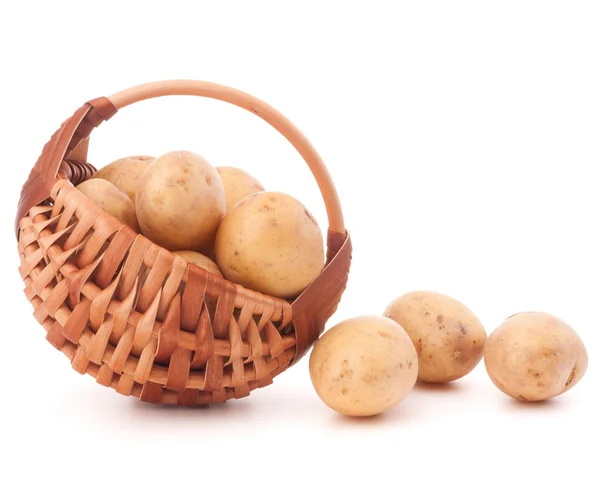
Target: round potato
(449,338)
(111,200)
(363,366)
(201,261)
(180,202)
(270,243)
(238,184)
(125,173)
(534,356)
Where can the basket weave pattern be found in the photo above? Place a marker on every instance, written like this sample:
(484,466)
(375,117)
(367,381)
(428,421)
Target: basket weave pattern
(137,317)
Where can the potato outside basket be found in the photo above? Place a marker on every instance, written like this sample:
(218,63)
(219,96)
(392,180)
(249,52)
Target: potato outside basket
(132,314)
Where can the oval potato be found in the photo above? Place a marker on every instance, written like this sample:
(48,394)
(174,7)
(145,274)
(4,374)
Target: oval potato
(180,202)
(449,338)
(270,243)
(201,261)
(111,200)
(125,173)
(238,184)
(363,366)
(535,356)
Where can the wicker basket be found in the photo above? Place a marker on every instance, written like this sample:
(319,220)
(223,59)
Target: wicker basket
(133,315)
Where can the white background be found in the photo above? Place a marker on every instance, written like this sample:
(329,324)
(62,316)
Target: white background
(464,141)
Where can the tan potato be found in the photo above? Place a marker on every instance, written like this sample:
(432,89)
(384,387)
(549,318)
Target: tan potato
(125,173)
(111,200)
(270,243)
(449,338)
(201,261)
(535,356)
(208,265)
(238,184)
(363,366)
(180,202)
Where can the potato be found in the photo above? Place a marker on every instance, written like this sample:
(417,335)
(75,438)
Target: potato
(201,261)
(111,200)
(535,356)
(270,243)
(363,366)
(180,202)
(125,173)
(449,338)
(238,184)
(208,265)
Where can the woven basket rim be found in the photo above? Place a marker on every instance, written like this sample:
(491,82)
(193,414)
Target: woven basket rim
(261,297)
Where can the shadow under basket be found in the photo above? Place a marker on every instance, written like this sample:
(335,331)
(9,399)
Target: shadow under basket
(135,316)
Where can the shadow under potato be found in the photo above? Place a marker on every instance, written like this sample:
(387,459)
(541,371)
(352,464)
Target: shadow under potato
(446,387)
(396,414)
(517,405)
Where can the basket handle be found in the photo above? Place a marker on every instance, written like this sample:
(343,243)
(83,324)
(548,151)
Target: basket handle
(259,108)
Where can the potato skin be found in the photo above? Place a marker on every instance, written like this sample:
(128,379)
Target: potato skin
(111,200)
(180,202)
(448,337)
(125,173)
(238,184)
(270,243)
(201,261)
(363,366)
(535,356)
